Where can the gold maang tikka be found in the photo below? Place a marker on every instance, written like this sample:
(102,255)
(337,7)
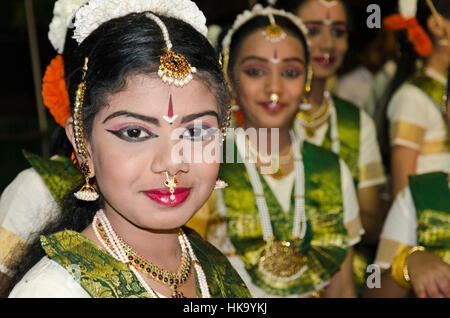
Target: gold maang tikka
(87,191)
(174,68)
(273,32)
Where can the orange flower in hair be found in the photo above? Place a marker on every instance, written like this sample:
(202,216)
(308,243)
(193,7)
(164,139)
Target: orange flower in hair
(416,35)
(421,41)
(54,91)
(239,117)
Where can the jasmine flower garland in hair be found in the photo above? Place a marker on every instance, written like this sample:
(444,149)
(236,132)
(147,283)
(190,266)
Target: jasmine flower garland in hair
(63,13)
(95,12)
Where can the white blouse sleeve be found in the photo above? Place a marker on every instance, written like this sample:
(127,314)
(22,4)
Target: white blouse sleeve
(399,230)
(401,221)
(408,117)
(48,279)
(371,170)
(26,206)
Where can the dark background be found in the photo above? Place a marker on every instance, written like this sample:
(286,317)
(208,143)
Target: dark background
(19,128)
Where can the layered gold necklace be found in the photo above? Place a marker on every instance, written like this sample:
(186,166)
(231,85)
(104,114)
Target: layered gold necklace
(276,160)
(310,122)
(172,280)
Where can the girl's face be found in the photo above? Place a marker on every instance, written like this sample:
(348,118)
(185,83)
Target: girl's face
(328,36)
(134,145)
(263,68)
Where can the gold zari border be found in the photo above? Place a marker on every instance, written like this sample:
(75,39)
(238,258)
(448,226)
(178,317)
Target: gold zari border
(407,131)
(11,246)
(371,171)
(434,147)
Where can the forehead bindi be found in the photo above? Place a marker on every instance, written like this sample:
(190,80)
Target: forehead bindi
(313,10)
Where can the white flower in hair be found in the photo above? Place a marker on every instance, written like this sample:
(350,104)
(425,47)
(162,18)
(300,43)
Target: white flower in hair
(63,12)
(407,8)
(96,12)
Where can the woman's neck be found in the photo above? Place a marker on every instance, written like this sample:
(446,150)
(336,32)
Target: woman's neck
(284,140)
(439,61)
(318,86)
(160,247)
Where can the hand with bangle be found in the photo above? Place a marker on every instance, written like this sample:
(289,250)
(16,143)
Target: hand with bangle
(422,271)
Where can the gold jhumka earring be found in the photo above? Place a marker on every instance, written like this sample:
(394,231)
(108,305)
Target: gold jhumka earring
(305,104)
(87,191)
(220,184)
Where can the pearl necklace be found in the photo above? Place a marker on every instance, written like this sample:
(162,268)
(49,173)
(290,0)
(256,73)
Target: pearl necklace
(116,250)
(299,227)
(331,114)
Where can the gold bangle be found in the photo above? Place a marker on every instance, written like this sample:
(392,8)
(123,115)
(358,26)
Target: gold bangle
(397,268)
(405,266)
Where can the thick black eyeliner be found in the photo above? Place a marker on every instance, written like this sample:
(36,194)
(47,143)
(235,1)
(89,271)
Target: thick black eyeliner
(119,134)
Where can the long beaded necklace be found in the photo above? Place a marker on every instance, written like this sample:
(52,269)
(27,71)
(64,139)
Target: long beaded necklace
(310,123)
(114,245)
(281,260)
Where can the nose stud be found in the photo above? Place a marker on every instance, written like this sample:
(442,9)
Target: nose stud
(274,98)
(171,183)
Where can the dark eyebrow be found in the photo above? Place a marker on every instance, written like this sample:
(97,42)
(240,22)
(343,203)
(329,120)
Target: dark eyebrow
(253,57)
(320,22)
(148,119)
(191,117)
(262,59)
(294,59)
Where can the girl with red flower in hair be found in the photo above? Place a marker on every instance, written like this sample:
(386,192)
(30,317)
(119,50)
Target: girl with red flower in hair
(413,134)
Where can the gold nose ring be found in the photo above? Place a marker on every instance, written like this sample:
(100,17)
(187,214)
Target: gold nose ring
(274,98)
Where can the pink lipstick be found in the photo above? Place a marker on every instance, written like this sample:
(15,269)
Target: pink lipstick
(327,62)
(164,197)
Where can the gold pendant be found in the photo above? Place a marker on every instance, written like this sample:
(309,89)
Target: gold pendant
(282,261)
(310,132)
(279,174)
(175,69)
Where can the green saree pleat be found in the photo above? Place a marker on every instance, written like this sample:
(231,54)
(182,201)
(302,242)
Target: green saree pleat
(325,242)
(431,87)
(431,197)
(59,175)
(349,130)
(102,276)
(348,119)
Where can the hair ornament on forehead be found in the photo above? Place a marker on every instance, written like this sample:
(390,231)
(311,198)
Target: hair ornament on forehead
(63,13)
(259,10)
(95,12)
(173,68)
(273,32)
